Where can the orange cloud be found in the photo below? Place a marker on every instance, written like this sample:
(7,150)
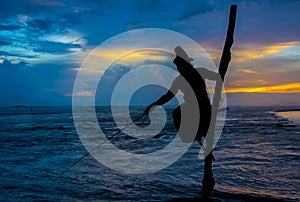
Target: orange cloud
(253,51)
(81,93)
(284,88)
(239,83)
(248,71)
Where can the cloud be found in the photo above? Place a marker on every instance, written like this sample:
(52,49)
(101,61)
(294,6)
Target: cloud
(268,70)
(6,64)
(38,38)
(15,83)
(55,47)
(41,84)
(40,24)
(5,43)
(169,10)
(118,70)
(9,65)
(268,22)
(132,57)
(108,82)
(247,52)
(241,83)
(248,71)
(81,93)
(25,7)
(4,53)
(47,3)
(9,27)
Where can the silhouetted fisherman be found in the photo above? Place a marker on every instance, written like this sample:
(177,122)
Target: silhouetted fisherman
(195,113)
(192,84)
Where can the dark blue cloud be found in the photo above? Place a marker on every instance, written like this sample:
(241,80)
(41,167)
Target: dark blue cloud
(43,84)
(4,43)
(40,25)
(27,7)
(9,27)
(268,22)
(96,20)
(8,64)
(170,10)
(55,47)
(14,82)
(25,24)
(125,15)
(116,71)
(108,82)
(28,37)
(4,53)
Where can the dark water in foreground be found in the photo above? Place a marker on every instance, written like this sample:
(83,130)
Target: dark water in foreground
(257,154)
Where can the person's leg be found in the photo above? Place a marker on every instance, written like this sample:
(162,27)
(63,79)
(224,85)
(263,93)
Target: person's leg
(205,116)
(208,182)
(176,114)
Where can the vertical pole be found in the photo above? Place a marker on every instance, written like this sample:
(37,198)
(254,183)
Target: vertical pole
(208,181)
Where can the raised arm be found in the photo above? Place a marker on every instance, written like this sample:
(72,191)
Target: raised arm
(208,74)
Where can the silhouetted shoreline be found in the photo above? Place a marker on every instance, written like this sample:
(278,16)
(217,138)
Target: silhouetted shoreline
(287,110)
(218,196)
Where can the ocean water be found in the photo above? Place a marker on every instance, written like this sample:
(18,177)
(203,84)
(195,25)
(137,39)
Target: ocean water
(258,154)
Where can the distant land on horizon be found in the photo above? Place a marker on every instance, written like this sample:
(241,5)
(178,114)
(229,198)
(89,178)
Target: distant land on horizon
(233,99)
(281,108)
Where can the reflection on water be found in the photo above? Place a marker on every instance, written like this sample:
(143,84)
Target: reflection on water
(293,116)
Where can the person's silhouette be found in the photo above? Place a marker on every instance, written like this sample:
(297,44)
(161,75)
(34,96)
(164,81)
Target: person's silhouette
(192,84)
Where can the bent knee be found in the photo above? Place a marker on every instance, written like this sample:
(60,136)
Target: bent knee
(176,113)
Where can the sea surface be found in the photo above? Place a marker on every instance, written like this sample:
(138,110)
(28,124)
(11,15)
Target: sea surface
(258,154)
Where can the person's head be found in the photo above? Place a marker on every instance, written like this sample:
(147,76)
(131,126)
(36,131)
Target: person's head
(181,59)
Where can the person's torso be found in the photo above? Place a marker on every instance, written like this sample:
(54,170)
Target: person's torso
(192,86)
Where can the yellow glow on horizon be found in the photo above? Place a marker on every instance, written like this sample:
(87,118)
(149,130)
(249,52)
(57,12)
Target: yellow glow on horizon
(284,88)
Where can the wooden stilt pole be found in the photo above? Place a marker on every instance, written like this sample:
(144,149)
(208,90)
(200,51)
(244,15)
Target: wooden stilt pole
(208,181)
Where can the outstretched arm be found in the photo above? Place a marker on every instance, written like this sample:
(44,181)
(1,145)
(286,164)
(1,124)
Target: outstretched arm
(163,99)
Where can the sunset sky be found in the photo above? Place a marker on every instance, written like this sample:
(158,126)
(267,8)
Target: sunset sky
(43,44)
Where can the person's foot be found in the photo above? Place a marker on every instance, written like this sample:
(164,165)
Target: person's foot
(207,186)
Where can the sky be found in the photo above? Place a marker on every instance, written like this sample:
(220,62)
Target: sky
(44,43)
